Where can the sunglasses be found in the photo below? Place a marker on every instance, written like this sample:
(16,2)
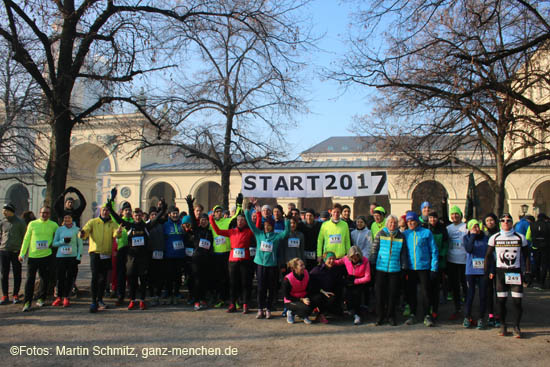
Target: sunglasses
(505,221)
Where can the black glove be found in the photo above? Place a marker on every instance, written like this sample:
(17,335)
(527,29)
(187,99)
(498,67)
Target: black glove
(189,199)
(350,281)
(240,199)
(433,275)
(113,193)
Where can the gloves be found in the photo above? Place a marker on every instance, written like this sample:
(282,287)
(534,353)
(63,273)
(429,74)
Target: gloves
(190,200)
(433,275)
(350,281)
(240,199)
(113,193)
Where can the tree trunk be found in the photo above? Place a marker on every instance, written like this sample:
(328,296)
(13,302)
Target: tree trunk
(499,189)
(226,174)
(58,162)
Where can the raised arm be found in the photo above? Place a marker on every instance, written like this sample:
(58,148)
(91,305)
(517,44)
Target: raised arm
(219,232)
(81,199)
(189,199)
(253,228)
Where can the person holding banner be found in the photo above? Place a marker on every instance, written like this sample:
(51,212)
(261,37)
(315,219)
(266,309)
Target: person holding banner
(334,235)
(266,260)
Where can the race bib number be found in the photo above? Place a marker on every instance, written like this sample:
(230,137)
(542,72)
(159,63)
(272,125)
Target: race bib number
(253,251)
(41,245)
(512,278)
(138,241)
(294,242)
(266,246)
(478,263)
(66,250)
(335,239)
(178,245)
(456,245)
(238,253)
(157,255)
(104,257)
(310,255)
(220,241)
(205,244)
(189,251)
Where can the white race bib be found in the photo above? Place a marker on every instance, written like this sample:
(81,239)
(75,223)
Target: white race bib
(478,263)
(205,244)
(252,251)
(104,257)
(189,251)
(294,242)
(238,253)
(66,250)
(266,246)
(310,255)
(220,240)
(512,278)
(335,239)
(178,245)
(138,241)
(157,255)
(41,245)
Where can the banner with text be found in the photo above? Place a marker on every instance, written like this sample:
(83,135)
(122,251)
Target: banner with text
(311,185)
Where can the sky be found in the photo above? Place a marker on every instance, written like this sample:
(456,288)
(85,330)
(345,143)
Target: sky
(331,108)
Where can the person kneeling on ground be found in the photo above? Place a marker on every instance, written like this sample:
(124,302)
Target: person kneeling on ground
(295,290)
(326,282)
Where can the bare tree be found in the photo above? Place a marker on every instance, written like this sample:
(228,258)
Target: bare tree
(232,106)
(20,111)
(463,83)
(106,43)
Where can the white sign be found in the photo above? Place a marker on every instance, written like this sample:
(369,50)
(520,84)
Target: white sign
(311,185)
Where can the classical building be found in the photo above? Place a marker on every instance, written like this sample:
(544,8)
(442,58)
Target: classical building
(97,163)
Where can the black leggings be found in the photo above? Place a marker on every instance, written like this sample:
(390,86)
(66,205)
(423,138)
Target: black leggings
(353,295)
(7,258)
(413,278)
(157,269)
(240,279)
(517,305)
(299,308)
(201,266)
(65,275)
(42,265)
(457,278)
(325,304)
(435,288)
(267,285)
(387,290)
(174,269)
(221,275)
(99,268)
(136,271)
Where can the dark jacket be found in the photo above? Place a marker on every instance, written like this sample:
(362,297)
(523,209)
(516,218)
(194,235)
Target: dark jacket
(12,231)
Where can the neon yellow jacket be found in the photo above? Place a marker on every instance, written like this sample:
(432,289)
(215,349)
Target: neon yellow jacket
(101,235)
(221,246)
(39,233)
(333,237)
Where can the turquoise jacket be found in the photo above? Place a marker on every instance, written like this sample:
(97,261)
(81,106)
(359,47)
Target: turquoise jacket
(267,244)
(71,249)
(423,254)
(389,252)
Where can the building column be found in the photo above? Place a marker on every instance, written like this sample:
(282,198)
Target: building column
(400,206)
(514,207)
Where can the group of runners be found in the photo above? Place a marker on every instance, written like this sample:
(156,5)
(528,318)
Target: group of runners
(321,265)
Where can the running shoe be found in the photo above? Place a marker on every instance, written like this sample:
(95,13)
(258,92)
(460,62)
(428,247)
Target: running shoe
(289,317)
(197,306)
(454,316)
(356,319)
(101,305)
(267,314)
(5,300)
(434,315)
(379,323)
(66,302)
(260,314)
(322,319)
(231,308)
(57,302)
(449,297)
(491,322)
(407,311)
(283,314)
(27,307)
(237,306)
(16,299)
(410,320)
(219,304)
(132,305)
(428,322)
(245,308)
(40,302)
(497,323)
(466,323)
(142,305)
(480,324)
(93,308)
(517,332)
(307,321)
(204,305)
(503,331)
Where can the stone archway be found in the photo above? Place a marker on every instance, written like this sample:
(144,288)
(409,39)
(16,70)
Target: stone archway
(486,199)
(541,198)
(362,204)
(432,191)
(208,194)
(158,191)
(18,195)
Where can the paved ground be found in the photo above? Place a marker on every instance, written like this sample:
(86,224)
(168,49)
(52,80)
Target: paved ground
(122,337)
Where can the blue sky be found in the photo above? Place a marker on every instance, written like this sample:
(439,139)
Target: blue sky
(331,108)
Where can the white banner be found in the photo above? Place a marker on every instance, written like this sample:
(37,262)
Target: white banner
(311,185)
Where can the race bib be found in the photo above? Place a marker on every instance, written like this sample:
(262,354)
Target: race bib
(512,278)
(157,255)
(478,263)
(66,250)
(104,257)
(41,245)
(178,245)
(238,253)
(205,244)
(220,240)
(294,242)
(252,251)
(456,245)
(138,241)
(266,246)
(189,251)
(310,255)
(335,239)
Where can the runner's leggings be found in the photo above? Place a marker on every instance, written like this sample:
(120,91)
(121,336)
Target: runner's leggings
(481,282)
(240,279)
(267,285)
(517,306)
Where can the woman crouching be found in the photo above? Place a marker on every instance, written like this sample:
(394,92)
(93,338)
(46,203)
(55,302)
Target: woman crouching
(295,290)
